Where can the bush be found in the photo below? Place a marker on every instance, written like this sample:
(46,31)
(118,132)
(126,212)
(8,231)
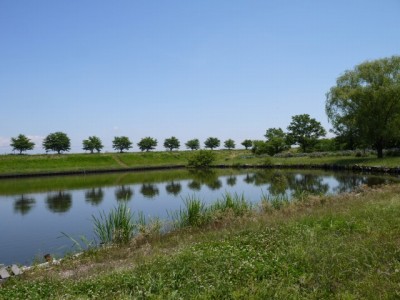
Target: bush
(201,159)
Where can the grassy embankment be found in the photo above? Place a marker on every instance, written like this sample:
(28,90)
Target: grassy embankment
(34,164)
(343,247)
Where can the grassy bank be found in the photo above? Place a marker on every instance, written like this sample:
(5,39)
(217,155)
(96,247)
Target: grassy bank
(343,247)
(34,164)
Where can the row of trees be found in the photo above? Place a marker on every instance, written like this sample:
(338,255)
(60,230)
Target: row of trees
(60,142)
(303,131)
(363,107)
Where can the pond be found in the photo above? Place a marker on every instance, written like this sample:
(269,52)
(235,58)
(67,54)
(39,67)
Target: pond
(35,212)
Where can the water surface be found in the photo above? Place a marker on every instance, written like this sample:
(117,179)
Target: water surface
(34,212)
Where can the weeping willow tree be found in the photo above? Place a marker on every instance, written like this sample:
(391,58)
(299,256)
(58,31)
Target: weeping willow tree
(364,105)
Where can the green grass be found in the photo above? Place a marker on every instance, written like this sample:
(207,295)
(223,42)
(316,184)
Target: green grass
(31,164)
(343,247)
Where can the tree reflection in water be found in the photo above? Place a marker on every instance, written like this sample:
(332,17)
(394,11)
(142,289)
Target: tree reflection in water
(194,185)
(123,193)
(24,204)
(231,180)
(149,190)
(279,184)
(173,188)
(59,202)
(249,178)
(94,196)
(207,177)
(309,183)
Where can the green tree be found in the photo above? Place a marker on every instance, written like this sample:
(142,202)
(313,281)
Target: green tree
(212,142)
(326,145)
(304,131)
(259,147)
(229,144)
(147,144)
(247,143)
(365,103)
(276,141)
(22,143)
(92,143)
(121,143)
(172,143)
(193,144)
(57,141)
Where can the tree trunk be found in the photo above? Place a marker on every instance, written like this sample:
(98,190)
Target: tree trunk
(379,149)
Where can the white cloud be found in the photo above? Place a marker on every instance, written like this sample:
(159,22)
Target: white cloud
(37,139)
(4,142)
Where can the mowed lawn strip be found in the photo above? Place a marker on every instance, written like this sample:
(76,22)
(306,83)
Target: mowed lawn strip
(36,164)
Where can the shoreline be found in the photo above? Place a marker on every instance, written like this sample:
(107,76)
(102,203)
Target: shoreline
(333,167)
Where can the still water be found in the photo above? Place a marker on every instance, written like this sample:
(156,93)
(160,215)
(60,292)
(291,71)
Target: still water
(34,212)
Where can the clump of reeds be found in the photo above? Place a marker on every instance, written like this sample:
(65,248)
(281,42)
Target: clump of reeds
(275,202)
(115,227)
(235,203)
(194,213)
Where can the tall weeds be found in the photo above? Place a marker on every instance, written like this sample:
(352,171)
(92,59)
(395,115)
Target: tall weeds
(115,227)
(237,204)
(194,213)
(276,202)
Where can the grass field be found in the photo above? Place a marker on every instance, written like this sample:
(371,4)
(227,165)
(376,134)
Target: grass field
(34,164)
(342,247)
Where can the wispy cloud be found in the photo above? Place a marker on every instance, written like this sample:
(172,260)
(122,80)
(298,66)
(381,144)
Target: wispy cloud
(4,141)
(37,139)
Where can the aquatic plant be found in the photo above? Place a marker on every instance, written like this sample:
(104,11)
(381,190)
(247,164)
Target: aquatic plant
(115,227)
(235,203)
(194,213)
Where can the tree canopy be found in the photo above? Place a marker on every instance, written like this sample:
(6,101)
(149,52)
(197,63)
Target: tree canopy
(364,105)
(247,143)
(22,143)
(229,144)
(212,142)
(92,143)
(147,143)
(121,143)
(57,141)
(172,143)
(304,131)
(193,144)
(276,141)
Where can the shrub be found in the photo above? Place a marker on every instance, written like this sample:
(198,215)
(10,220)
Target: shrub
(201,159)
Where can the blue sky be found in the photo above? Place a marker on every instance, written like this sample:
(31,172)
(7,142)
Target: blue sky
(190,69)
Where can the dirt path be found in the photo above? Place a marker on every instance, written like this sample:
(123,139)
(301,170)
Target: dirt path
(121,163)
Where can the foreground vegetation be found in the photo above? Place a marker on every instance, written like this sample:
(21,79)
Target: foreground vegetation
(36,164)
(342,247)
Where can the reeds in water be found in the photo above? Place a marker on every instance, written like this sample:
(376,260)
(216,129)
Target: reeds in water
(194,213)
(275,202)
(237,204)
(115,227)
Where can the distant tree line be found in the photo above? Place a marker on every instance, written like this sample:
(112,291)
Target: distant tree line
(363,107)
(303,130)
